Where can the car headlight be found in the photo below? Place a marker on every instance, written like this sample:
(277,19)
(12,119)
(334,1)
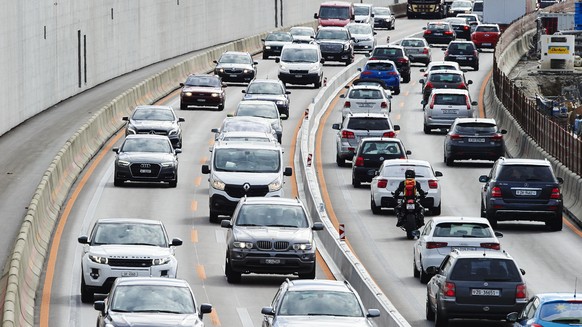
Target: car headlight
(275,185)
(168,164)
(268,47)
(302,246)
(188,94)
(217,184)
(130,130)
(123,163)
(246,71)
(98,259)
(281,102)
(220,70)
(161,261)
(346,46)
(215,95)
(243,245)
(173,131)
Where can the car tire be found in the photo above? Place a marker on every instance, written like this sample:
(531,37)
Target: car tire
(492,220)
(213,217)
(476,67)
(265,56)
(340,162)
(319,83)
(436,211)
(310,274)
(555,225)
(424,276)
(426,129)
(173,183)
(406,79)
(449,161)
(429,313)
(221,107)
(355,182)
(232,277)
(117,182)
(183,106)
(375,209)
(440,319)
(87,296)
(415,272)
(397,91)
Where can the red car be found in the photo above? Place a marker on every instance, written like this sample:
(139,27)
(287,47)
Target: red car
(486,35)
(202,90)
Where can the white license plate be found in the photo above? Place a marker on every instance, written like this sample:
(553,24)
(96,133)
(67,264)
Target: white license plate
(409,206)
(462,58)
(232,75)
(129,274)
(464,248)
(485,292)
(145,171)
(450,111)
(477,140)
(438,34)
(201,100)
(273,261)
(486,44)
(298,76)
(525,192)
(329,57)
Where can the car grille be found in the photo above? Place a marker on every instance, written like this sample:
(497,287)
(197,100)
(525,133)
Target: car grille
(331,48)
(233,70)
(145,170)
(268,245)
(153,131)
(130,262)
(237,191)
(298,71)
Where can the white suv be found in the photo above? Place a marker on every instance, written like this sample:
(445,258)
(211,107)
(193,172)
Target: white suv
(125,247)
(301,64)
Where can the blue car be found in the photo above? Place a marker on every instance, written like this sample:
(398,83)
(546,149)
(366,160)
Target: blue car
(384,70)
(549,310)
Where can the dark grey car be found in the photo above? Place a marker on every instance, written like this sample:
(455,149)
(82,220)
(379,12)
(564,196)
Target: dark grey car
(274,42)
(236,67)
(152,119)
(270,235)
(270,90)
(475,285)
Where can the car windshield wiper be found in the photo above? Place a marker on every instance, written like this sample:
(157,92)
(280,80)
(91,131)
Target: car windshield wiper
(246,225)
(292,226)
(158,311)
(327,314)
(140,243)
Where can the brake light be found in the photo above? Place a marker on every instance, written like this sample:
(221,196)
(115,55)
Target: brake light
(555,193)
(366,72)
(347,104)
(431,106)
(449,289)
(382,183)
(392,73)
(425,51)
(389,134)
(433,183)
(492,246)
(428,85)
(436,245)
(462,86)
(521,291)
(384,105)
(466,28)
(468,102)
(448,33)
(373,58)
(495,191)
(428,32)
(497,137)
(455,136)
(359,161)
(402,60)
(348,135)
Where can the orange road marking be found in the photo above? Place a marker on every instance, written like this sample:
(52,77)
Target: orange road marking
(200,271)
(194,235)
(194,205)
(323,265)
(203,160)
(52,259)
(198,181)
(214,318)
(482,94)
(294,190)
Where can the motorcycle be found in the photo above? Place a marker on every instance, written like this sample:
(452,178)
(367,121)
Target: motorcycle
(412,216)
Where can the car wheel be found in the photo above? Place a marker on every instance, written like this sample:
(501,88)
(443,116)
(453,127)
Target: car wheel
(449,161)
(415,272)
(232,277)
(555,224)
(183,106)
(375,209)
(397,91)
(476,67)
(426,129)
(317,84)
(492,220)
(483,209)
(406,78)
(221,107)
(117,182)
(436,211)
(213,217)
(429,312)
(424,276)
(86,294)
(265,56)
(355,182)
(308,275)
(440,320)
(340,162)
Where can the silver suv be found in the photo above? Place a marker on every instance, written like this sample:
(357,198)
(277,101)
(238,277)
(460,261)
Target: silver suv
(357,126)
(270,236)
(125,247)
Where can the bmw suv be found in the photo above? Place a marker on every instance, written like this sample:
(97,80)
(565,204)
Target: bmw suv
(522,189)
(270,236)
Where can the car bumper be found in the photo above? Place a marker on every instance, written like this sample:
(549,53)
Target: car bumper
(383,23)
(236,77)
(301,79)
(164,174)
(502,210)
(201,102)
(419,58)
(223,204)
(468,61)
(439,39)
(477,311)
(100,276)
(485,44)
(281,262)
(342,56)
(475,152)
(364,45)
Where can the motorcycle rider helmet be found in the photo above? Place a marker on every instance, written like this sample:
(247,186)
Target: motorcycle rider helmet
(409,173)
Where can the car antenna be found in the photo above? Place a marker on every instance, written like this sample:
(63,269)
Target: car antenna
(575,284)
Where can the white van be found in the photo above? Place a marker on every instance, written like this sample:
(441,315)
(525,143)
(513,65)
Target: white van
(239,169)
(301,64)
(446,105)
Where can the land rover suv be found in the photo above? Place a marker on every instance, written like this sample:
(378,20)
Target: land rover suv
(522,189)
(270,236)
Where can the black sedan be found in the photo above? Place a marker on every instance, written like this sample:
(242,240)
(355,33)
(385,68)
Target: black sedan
(236,67)
(146,158)
(439,33)
(150,301)
(152,119)
(461,26)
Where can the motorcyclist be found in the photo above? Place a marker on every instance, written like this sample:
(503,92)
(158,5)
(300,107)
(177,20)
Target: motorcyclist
(410,189)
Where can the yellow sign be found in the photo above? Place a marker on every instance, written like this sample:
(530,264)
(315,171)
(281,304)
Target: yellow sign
(558,50)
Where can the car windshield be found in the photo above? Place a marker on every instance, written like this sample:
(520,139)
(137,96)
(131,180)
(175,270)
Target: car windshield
(446,78)
(461,4)
(153,114)
(239,125)
(360,29)
(232,58)
(398,171)
(301,31)
(451,99)
(481,28)
(485,269)
(152,298)
(383,66)
(412,43)
(382,11)
(362,10)
(284,37)
(475,128)
(320,303)
(272,215)
(299,55)
(267,110)
(159,145)
(264,88)
(128,233)
(369,124)
(365,94)
(462,229)
(387,52)
(526,173)
(205,81)
(437,27)
(478,6)
(383,148)
(332,35)
(326,12)
(562,312)
(247,160)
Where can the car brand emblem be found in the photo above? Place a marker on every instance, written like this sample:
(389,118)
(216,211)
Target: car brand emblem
(246,187)
(525,185)
(152,132)
(486,34)
(145,166)
(381,158)
(485,284)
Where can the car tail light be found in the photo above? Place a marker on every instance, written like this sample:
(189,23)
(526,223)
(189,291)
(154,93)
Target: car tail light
(536,325)
(431,106)
(468,102)
(462,86)
(555,193)
(384,105)
(521,291)
(497,137)
(428,32)
(366,72)
(446,53)
(466,28)
(382,183)
(392,73)
(448,33)
(347,104)
(425,51)
(402,60)
(433,183)
(428,85)
(348,135)
(492,246)
(496,192)
(454,136)
(475,53)
(389,134)
(449,289)
(359,161)
(436,245)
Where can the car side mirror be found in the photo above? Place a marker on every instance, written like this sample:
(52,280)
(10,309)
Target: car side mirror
(342,96)
(225,223)
(469,82)
(125,118)
(116,150)
(438,174)
(243,91)
(205,169)
(182,84)
(224,84)
(498,234)
(204,308)
(408,152)
(215,61)
(375,33)
(322,60)
(214,130)
(177,151)
(483,178)
(287,92)
(176,242)
(317,226)
(474,103)
(359,69)
(522,271)
(372,15)
(277,60)
(422,70)
(181,120)
(255,62)
(83,239)
(268,311)
(335,126)
(367,55)
(503,131)
(263,40)
(99,306)
(560,180)
(230,114)
(315,16)
(373,313)
(421,81)
(424,27)
(288,171)
(396,127)
(432,270)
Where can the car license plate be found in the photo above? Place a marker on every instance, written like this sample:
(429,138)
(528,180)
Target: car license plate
(145,171)
(329,57)
(201,100)
(409,206)
(232,75)
(438,33)
(450,111)
(476,140)
(273,261)
(461,58)
(129,274)
(484,292)
(464,248)
(486,44)
(298,76)
(525,192)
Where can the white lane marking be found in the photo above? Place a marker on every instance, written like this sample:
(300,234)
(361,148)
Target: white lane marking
(244,316)
(220,237)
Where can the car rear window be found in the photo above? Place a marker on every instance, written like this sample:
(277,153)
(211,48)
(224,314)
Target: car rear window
(485,269)
(450,99)
(526,173)
(398,171)
(462,230)
(365,94)
(487,29)
(478,6)
(461,47)
(381,148)
(558,310)
(379,66)
(434,27)
(387,52)
(475,128)
(368,123)
(446,78)
(412,43)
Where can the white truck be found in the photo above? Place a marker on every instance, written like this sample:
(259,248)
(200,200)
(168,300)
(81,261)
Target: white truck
(503,12)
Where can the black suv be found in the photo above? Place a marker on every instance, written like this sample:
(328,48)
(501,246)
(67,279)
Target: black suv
(461,27)
(475,285)
(270,235)
(397,54)
(522,189)
(463,52)
(336,44)
(371,153)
